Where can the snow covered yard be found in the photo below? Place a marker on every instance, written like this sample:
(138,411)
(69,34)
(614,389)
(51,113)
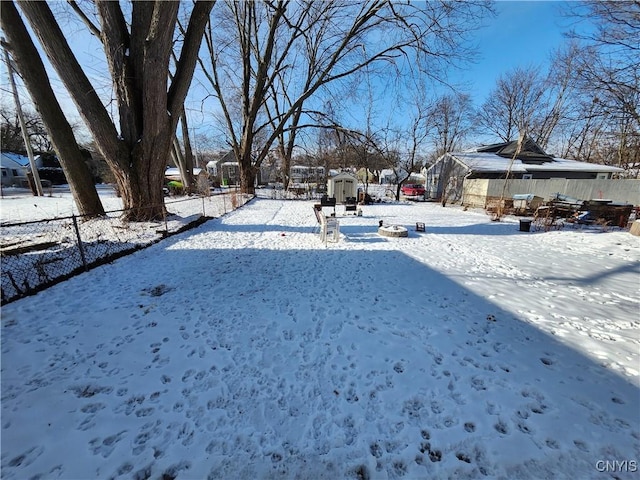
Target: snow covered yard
(248,349)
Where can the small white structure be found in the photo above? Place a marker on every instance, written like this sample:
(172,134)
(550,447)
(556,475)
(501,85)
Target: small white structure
(342,186)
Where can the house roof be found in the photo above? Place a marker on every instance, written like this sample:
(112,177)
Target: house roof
(174,171)
(306,167)
(343,175)
(531,158)
(10,158)
(490,162)
(528,151)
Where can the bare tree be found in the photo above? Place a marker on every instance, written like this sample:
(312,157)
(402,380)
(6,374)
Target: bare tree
(611,63)
(608,72)
(412,141)
(137,50)
(450,121)
(35,77)
(11,136)
(514,103)
(319,44)
(556,104)
(286,137)
(184,158)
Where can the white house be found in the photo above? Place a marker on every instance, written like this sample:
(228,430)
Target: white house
(388,176)
(14,171)
(392,176)
(305,174)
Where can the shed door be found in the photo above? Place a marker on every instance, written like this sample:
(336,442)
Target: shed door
(338,192)
(348,190)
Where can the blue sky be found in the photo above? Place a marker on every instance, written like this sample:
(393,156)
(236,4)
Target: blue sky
(523,33)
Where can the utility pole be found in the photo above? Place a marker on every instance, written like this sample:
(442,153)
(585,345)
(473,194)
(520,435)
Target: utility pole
(23,126)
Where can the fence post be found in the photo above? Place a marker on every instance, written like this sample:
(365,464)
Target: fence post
(166,226)
(80,247)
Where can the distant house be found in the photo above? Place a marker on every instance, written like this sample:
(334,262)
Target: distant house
(49,168)
(226,170)
(448,175)
(366,176)
(16,168)
(14,171)
(305,174)
(390,176)
(214,166)
(173,173)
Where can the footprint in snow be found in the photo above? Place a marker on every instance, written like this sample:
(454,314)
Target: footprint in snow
(501,427)
(92,407)
(399,367)
(547,361)
(26,458)
(552,444)
(144,412)
(106,446)
(524,428)
(581,445)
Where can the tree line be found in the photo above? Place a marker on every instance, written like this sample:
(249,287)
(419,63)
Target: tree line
(282,73)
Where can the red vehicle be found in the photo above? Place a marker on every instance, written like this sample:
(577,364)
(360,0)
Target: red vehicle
(412,190)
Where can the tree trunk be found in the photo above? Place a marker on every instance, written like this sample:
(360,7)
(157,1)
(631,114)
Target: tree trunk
(245,162)
(286,164)
(137,52)
(141,192)
(36,80)
(185,161)
(248,178)
(179,160)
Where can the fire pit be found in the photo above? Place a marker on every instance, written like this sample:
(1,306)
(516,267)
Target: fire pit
(393,231)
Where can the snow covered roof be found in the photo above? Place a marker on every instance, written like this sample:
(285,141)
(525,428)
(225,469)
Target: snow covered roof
(531,157)
(306,167)
(491,162)
(10,158)
(173,171)
(342,174)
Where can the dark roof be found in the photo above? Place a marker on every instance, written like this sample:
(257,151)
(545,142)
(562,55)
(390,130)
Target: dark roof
(530,152)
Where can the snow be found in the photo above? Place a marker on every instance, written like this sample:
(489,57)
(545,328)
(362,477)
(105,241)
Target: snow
(490,162)
(17,205)
(247,348)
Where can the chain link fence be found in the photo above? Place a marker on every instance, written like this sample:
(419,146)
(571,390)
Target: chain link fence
(35,255)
